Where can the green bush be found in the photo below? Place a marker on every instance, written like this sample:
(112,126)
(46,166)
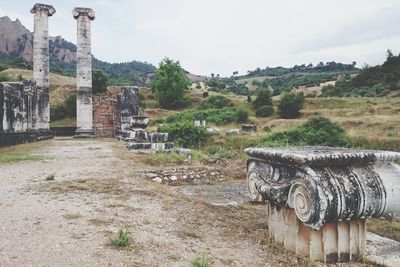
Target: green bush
(99,82)
(263,98)
(185,134)
(122,238)
(242,116)
(316,131)
(264,111)
(290,105)
(205,94)
(220,152)
(171,84)
(216,101)
(68,109)
(218,116)
(202,260)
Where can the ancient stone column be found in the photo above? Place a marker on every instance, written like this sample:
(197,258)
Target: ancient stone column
(41,109)
(84,113)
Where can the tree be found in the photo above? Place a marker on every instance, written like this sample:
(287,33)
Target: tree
(389,54)
(170,84)
(99,81)
(290,105)
(263,98)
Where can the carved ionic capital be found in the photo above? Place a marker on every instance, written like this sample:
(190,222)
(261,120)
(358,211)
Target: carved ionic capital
(83,11)
(48,9)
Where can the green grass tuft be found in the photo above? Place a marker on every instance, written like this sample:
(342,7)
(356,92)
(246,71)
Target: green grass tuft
(202,259)
(122,238)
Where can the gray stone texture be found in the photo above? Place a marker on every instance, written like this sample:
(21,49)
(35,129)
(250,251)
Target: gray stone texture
(41,64)
(19,104)
(84,104)
(128,105)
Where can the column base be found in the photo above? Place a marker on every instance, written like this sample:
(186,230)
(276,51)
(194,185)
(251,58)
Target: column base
(334,242)
(81,133)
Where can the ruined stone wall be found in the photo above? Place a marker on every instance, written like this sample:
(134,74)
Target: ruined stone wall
(105,115)
(128,105)
(19,105)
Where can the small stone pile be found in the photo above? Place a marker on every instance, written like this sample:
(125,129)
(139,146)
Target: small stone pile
(192,174)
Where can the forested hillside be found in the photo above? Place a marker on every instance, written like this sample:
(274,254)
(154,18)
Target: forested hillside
(380,80)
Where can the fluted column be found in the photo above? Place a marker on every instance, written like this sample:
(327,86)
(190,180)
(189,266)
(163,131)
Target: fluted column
(41,108)
(84,112)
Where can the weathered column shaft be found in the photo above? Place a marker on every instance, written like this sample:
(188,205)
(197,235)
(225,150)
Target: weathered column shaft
(41,111)
(84,120)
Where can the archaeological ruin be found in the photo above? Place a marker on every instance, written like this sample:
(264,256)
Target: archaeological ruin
(319,197)
(84,114)
(25,106)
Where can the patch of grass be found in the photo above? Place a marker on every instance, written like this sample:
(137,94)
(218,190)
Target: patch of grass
(50,177)
(66,122)
(164,159)
(202,259)
(122,238)
(73,216)
(385,228)
(18,153)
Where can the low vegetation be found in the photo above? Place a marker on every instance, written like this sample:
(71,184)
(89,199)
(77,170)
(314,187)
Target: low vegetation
(202,259)
(18,153)
(290,105)
(121,239)
(316,131)
(184,133)
(218,116)
(380,80)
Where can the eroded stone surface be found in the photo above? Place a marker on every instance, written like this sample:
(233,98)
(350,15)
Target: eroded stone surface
(84,112)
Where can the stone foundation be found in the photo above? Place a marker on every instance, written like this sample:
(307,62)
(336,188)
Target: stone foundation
(334,242)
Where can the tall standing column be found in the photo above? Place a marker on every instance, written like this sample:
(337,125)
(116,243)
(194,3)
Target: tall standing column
(84,113)
(41,108)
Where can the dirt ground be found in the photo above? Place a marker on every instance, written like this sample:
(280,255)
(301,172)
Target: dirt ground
(97,190)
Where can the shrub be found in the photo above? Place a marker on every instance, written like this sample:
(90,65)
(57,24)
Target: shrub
(316,131)
(217,101)
(198,86)
(185,134)
(70,106)
(205,94)
(311,95)
(220,152)
(100,80)
(263,98)
(242,116)
(248,98)
(68,109)
(290,105)
(122,239)
(171,84)
(264,111)
(202,260)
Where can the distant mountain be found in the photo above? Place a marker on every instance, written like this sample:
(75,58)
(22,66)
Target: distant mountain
(16,49)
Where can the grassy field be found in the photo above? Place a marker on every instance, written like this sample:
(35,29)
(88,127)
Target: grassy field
(60,86)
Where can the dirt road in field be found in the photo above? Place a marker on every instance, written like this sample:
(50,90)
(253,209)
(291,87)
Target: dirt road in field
(96,190)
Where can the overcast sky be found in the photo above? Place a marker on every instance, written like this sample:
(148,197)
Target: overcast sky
(222,36)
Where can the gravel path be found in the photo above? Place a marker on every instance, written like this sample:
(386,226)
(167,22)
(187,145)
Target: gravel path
(68,221)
